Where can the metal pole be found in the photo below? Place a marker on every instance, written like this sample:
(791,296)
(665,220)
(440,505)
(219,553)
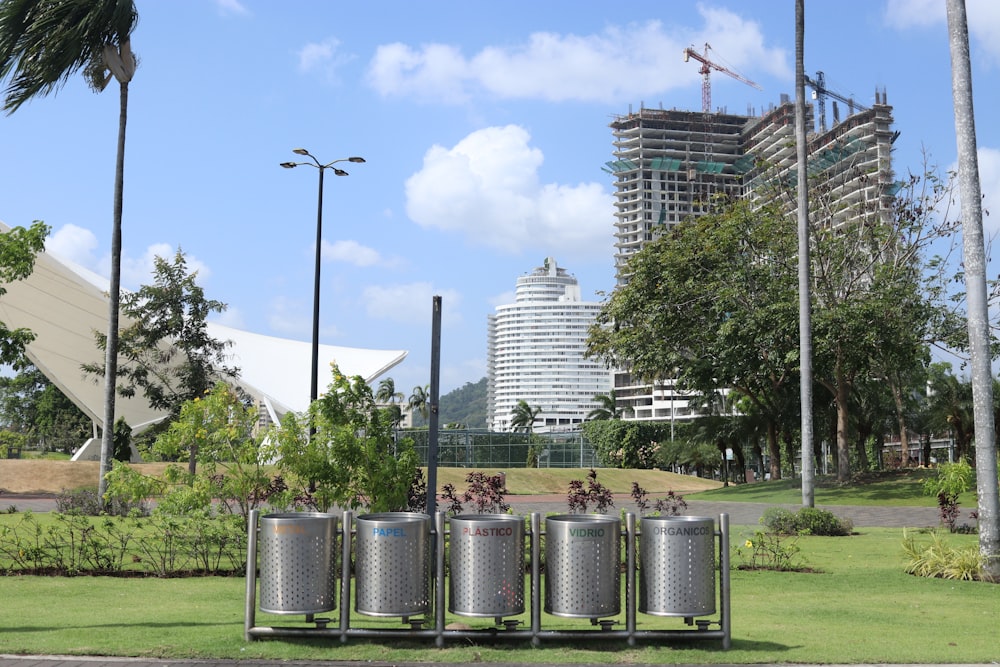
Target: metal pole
(314,382)
(250,603)
(432,419)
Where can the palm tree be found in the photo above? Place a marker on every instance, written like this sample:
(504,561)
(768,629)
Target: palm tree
(608,408)
(976,288)
(523,417)
(418,401)
(805,314)
(387,393)
(42,44)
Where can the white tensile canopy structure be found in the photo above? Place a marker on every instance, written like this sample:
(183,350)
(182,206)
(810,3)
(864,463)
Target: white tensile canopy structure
(64,304)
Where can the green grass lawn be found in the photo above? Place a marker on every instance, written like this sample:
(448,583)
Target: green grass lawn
(896,488)
(859,607)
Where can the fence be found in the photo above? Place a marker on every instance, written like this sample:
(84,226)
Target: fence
(479,448)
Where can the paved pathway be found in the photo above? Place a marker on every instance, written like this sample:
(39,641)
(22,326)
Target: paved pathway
(740,514)
(85,661)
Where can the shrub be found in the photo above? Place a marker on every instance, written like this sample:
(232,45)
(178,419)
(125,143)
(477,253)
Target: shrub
(595,493)
(86,501)
(952,479)
(779,521)
(812,521)
(941,560)
(807,521)
(485,493)
(769,551)
(673,504)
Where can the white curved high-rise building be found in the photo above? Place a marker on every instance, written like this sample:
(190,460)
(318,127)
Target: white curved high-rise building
(536,351)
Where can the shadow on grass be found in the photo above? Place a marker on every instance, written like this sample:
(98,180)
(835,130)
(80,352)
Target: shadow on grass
(116,626)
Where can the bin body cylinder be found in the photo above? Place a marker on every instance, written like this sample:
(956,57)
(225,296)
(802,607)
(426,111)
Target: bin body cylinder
(298,563)
(486,564)
(582,565)
(392,564)
(677,566)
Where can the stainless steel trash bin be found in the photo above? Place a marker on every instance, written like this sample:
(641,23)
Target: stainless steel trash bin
(677,566)
(392,564)
(297,565)
(486,563)
(582,565)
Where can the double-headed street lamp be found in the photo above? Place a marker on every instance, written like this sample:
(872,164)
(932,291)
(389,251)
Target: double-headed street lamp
(314,384)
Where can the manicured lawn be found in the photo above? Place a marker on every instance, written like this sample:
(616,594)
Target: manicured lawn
(859,608)
(902,488)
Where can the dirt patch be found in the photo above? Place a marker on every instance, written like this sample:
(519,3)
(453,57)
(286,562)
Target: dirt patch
(48,476)
(41,476)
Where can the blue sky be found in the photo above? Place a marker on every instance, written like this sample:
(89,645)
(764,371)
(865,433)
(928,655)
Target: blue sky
(484,126)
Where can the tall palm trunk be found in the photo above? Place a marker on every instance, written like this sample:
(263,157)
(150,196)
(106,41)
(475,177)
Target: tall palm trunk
(974,255)
(114,300)
(805,314)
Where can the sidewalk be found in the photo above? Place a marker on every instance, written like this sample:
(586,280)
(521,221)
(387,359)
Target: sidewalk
(740,514)
(97,661)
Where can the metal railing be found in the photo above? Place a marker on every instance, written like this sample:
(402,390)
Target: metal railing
(480,448)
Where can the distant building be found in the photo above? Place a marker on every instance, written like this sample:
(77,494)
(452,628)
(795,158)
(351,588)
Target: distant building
(536,353)
(668,164)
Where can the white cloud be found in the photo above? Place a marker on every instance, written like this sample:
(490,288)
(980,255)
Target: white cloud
(487,188)
(989,185)
(232,7)
(989,181)
(323,57)
(138,271)
(410,303)
(619,63)
(292,318)
(983,18)
(438,71)
(75,244)
(503,298)
(354,253)
(230,317)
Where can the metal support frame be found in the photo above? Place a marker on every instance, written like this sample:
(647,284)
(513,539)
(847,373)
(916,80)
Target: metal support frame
(535,634)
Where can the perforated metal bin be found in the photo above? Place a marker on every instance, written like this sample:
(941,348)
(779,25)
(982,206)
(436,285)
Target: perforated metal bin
(486,560)
(392,564)
(582,565)
(297,565)
(677,566)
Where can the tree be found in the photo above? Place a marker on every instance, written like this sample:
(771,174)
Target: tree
(387,395)
(523,417)
(32,405)
(608,408)
(353,458)
(387,392)
(418,403)
(949,408)
(42,44)
(166,352)
(804,276)
(18,248)
(975,279)
(712,303)
(222,429)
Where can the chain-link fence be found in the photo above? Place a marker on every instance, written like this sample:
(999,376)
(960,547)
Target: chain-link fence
(479,448)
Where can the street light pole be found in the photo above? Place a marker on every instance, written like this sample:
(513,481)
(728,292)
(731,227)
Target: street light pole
(321,167)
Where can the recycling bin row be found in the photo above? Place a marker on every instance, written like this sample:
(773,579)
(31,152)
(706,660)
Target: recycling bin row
(486,557)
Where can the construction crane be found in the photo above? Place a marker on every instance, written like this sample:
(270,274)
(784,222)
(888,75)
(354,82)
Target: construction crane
(706,68)
(820,92)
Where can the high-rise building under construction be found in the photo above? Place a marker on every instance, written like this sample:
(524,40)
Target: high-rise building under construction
(669,164)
